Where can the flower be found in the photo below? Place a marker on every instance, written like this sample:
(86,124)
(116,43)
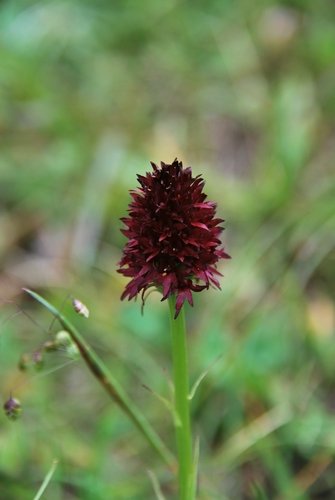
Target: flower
(173,236)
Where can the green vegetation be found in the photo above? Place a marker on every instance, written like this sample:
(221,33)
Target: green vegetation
(245,93)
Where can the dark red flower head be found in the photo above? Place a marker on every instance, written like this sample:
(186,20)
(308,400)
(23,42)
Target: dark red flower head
(173,235)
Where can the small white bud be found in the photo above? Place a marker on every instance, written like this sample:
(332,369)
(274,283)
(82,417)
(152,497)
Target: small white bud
(80,308)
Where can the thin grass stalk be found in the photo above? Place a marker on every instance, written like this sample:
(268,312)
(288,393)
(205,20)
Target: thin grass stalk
(46,481)
(110,384)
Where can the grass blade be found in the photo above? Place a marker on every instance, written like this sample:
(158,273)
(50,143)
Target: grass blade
(109,383)
(46,481)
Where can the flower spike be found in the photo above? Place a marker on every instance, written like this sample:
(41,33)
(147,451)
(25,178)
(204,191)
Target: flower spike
(173,235)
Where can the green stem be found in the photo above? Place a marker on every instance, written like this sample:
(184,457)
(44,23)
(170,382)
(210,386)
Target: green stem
(181,393)
(110,384)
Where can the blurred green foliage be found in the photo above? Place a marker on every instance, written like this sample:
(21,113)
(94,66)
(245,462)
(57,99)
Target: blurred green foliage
(245,93)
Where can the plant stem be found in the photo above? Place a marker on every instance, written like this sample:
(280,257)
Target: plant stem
(181,393)
(110,384)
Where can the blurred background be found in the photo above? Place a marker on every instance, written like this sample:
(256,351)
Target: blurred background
(245,93)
